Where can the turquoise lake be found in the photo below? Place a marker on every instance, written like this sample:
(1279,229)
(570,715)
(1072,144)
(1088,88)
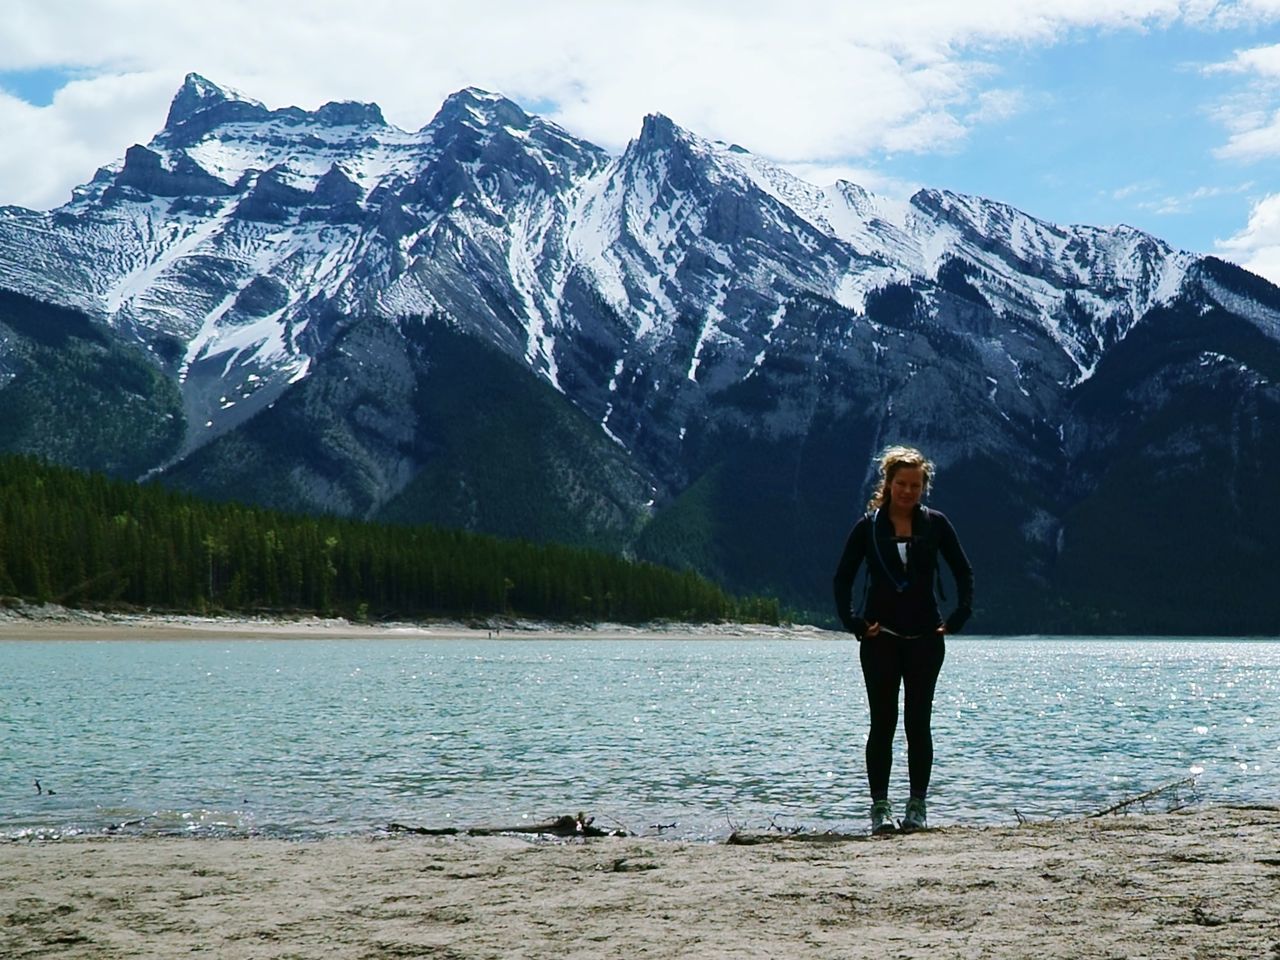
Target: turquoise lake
(685,738)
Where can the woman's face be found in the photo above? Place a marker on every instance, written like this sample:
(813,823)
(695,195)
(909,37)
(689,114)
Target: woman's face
(906,488)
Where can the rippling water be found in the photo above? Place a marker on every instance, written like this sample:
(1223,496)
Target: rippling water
(305,738)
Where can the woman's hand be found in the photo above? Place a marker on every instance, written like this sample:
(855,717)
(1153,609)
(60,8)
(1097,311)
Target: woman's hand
(872,631)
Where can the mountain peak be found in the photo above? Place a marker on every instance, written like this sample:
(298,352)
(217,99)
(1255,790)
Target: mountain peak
(198,95)
(351,113)
(660,130)
(476,107)
(477,94)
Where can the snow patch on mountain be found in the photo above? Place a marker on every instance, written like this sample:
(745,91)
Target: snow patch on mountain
(237,226)
(1263,317)
(178,237)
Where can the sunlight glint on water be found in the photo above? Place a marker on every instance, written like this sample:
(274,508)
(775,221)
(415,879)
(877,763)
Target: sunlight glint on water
(302,738)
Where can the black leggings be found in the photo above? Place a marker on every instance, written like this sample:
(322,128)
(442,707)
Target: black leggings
(890,663)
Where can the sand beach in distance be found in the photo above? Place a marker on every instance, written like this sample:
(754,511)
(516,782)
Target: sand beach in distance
(52,622)
(1203,882)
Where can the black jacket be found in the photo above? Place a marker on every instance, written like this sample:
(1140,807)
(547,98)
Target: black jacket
(901,598)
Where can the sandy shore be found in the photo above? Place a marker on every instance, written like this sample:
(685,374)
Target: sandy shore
(1198,884)
(50,622)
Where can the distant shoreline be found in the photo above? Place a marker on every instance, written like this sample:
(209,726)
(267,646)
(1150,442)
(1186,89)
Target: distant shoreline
(53,622)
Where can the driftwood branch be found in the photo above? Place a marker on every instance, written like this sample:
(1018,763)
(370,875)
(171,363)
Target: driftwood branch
(563,826)
(1142,798)
(748,839)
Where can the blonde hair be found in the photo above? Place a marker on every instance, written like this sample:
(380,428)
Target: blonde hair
(893,459)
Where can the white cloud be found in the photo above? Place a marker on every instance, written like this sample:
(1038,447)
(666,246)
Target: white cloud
(802,81)
(1250,115)
(1242,13)
(992,106)
(1184,203)
(1257,246)
(47,150)
(869,178)
(1256,143)
(1133,190)
(1262,61)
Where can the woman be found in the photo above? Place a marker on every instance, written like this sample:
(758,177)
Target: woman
(900,631)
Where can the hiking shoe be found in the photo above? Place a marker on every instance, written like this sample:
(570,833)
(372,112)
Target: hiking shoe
(914,817)
(882,818)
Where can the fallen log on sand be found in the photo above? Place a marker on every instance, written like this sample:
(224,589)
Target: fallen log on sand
(563,826)
(1170,789)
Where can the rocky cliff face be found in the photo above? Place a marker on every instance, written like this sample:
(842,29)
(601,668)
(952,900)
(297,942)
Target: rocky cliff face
(682,351)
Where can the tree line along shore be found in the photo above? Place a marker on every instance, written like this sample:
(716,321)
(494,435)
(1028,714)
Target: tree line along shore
(86,540)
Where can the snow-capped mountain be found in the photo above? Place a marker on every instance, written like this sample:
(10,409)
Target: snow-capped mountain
(712,346)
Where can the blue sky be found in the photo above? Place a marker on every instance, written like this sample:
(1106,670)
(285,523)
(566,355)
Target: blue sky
(1112,127)
(36,87)
(1162,114)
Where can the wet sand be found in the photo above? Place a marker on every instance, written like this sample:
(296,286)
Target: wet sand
(1202,883)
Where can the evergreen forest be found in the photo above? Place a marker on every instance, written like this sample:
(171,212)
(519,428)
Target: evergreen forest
(86,540)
